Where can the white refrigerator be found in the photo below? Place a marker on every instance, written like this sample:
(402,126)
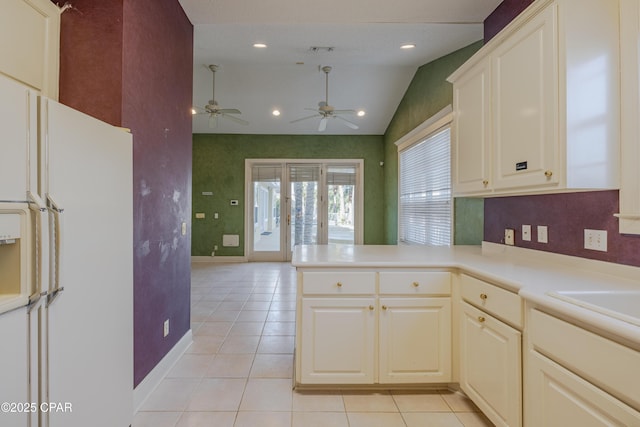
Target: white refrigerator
(66,265)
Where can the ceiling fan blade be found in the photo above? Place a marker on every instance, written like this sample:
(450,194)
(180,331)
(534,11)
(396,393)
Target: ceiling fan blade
(303,118)
(235,119)
(323,124)
(213,121)
(229,111)
(347,122)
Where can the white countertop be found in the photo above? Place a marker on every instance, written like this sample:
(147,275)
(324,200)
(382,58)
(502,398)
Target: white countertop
(532,274)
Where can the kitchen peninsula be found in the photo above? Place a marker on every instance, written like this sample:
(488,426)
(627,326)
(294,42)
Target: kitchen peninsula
(381,317)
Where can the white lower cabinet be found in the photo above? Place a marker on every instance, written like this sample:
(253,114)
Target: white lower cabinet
(415,340)
(338,339)
(369,328)
(577,377)
(491,366)
(559,398)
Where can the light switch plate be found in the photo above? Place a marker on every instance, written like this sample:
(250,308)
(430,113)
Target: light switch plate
(543,234)
(526,233)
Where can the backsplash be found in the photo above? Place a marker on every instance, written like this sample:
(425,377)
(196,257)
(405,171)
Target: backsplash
(566,216)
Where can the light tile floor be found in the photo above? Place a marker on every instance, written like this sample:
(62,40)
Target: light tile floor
(238,371)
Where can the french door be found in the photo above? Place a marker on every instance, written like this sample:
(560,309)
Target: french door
(305,202)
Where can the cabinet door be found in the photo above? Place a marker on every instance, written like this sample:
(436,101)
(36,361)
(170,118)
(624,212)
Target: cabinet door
(558,398)
(338,340)
(472,131)
(31,30)
(415,340)
(525,105)
(491,366)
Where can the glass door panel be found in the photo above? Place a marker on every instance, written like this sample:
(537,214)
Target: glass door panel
(341,187)
(266,180)
(304,191)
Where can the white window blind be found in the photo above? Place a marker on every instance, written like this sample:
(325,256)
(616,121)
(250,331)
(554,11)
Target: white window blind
(425,191)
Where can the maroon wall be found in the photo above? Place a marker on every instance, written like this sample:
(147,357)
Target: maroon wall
(130,63)
(502,15)
(91,59)
(157,98)
(566,215)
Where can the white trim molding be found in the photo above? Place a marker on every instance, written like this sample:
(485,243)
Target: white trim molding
(142,392)
(423,130)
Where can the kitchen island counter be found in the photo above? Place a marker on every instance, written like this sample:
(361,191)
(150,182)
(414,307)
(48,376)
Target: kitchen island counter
(532,274)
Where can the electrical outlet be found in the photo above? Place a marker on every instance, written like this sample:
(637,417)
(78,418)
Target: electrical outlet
(543,234)
(526,233)
(595,240)
(166,327)
(215,247)
(509,236)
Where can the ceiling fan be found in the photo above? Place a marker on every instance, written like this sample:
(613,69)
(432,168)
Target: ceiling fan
(213,109)
(325,111)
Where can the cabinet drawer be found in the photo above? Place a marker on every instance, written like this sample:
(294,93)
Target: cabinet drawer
(342,282)
(605,363)
(500,302)
(415,282)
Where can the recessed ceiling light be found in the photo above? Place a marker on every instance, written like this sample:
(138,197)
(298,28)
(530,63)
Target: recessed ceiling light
(259,45)
(361,113)
(276,113)
(408,46)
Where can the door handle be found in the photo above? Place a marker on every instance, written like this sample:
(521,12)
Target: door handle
(39,207)
(56,247)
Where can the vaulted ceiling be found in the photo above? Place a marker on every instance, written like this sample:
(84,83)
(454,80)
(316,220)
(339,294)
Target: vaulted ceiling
(360,39)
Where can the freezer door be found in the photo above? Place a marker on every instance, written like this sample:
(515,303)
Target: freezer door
(88,184)
(18,140)
(14,393)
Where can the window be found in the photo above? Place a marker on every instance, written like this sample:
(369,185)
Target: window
(425,212)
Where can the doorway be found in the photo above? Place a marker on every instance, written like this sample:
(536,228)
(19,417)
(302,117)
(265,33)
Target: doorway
(301,202)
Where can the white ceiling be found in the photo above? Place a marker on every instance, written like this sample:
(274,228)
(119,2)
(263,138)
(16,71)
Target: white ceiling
(370,71)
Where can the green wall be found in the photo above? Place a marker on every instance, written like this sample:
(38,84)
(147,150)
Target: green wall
(218,166)
(428,93)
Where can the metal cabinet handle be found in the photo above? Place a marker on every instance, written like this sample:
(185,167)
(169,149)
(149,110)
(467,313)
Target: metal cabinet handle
(416,284)
(483,297)
(481,319)
(548,174)
(371,307)
(485,182)
(339,284)
(384,307)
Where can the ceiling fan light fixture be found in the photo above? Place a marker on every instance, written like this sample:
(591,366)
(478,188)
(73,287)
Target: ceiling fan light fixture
(408,46)
(276,112)
(361,113)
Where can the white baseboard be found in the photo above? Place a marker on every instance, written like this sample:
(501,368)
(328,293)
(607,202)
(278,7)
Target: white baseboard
(142,392)
(218,259)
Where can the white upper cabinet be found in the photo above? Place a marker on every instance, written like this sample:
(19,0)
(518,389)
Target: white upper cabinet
(31,49)
(472,129)
(552,107)
(630,151)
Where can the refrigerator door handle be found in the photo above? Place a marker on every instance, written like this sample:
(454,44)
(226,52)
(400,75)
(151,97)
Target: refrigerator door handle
(37,205)
(57,211)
